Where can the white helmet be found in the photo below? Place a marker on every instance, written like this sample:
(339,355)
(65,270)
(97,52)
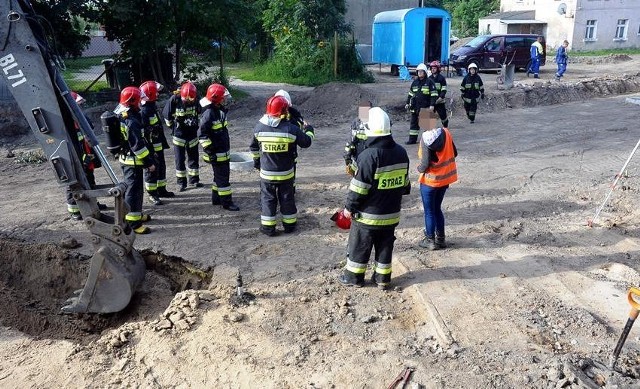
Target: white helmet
(422,67)
(284,94)
(472,65)
(378,124)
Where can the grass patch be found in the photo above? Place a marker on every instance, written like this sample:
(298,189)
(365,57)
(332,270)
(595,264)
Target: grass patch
(600,53)
(270,72)
(82,63)
(81,85)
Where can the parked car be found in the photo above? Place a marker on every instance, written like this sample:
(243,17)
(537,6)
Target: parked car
(492,51)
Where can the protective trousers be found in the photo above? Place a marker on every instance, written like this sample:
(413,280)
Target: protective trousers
(535,67)
(470,107)
(272,194)
(133,177)
(414,127)
(221,188)
(441,109)
(362,241)
(187,151)
(158,179)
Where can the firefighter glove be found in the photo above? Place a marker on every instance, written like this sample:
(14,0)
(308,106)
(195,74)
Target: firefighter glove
(407,106)
(482,96)
(349,170)
(256,163)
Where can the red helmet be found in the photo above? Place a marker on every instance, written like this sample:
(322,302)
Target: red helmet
(341,220)
(216,93)
(79,99)
(277,106)
(150,90)
(130,97)
(435,64)
(188,91)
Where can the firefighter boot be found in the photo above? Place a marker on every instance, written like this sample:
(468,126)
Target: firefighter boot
(440,242)
(349,279)
(227,203)
(154,198)
(413,139)
(182,184)
(215,197)
(428,243)
(163,192)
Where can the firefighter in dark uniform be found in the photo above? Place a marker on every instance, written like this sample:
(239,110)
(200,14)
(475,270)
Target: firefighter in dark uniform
(214,138)
(89,162)
(294,117)
(155,183)
(419,97)
(373,203)
(273,147)
(471,89)
(437,97)
(134,157)
(181,115)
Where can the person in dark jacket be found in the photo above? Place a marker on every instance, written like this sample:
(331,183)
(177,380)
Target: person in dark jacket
(181,115)
(214,138)
(438,96)
(471,89)
(420,96)
(373,203)
(134,157)
(274,144)
(155,183)
(562,59)
(437,169)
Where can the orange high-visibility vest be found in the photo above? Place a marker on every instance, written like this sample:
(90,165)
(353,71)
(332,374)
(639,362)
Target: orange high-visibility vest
(443,172)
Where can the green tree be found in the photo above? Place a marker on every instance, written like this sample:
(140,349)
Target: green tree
(465,14)
(64,18)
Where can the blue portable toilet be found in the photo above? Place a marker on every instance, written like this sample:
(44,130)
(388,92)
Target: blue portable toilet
(411,36)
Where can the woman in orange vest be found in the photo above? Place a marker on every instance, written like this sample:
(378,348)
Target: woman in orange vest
(437,169)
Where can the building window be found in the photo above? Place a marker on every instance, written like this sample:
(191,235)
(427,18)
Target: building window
(590,31)
(621,29)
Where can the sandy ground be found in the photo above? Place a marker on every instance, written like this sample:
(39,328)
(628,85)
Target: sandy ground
(526,295)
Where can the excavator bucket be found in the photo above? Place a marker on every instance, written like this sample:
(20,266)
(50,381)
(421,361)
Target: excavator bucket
(110,284)
(30,69)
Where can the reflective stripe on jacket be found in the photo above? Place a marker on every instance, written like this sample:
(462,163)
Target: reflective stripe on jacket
(444,171)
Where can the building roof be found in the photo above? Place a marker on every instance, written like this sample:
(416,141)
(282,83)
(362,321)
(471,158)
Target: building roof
(513,15)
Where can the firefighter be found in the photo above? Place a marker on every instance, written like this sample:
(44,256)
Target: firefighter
(89,163)
(181,115)
(214,138)
(155,183)
(373,203)
(419,97)
(273,147)
(437,96)
(134,157)
(471,89)
(355,145)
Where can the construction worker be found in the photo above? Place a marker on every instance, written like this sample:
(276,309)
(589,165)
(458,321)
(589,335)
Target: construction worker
(562,59)
(181,115)
(419,97)
(471,89)
(273,147)
(437,169)
(440,90)
(536,53)
(89,163)
(134,157)
(155,183)
(373,203)
(214,138)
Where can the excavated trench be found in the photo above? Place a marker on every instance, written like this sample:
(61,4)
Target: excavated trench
(36,279)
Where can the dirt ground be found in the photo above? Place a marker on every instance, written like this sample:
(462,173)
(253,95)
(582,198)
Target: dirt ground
(525,296)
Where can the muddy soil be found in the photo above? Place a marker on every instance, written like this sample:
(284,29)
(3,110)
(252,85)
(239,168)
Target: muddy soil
(525,296)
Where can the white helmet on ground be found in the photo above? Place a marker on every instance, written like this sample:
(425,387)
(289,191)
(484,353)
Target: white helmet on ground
(378,124)
(284,94)
(472,65)
(422,67)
